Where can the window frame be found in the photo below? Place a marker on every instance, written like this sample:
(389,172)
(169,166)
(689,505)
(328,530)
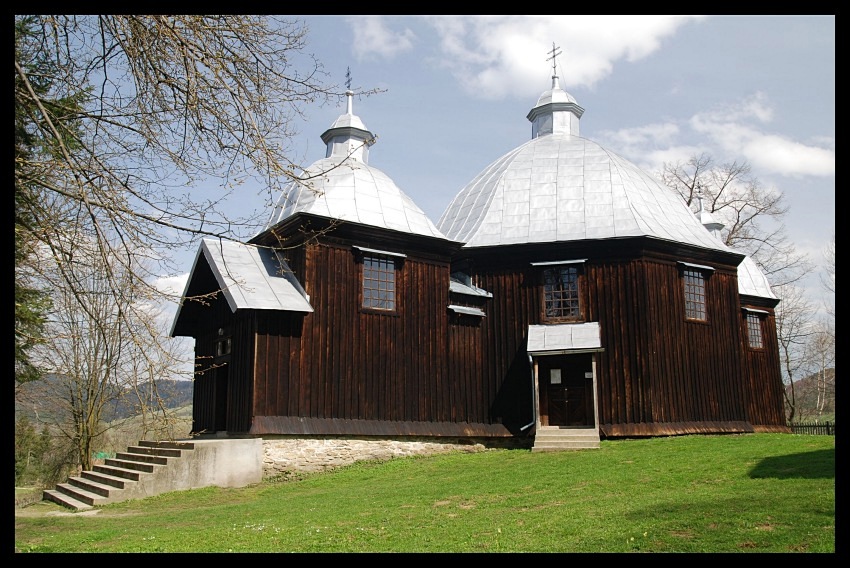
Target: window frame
(223,344)
(580,284)
(754,321)
(382,257)
(695,290)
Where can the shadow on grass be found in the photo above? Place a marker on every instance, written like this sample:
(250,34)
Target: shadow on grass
(810,465)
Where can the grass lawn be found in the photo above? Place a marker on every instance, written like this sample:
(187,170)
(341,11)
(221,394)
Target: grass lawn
(736,493)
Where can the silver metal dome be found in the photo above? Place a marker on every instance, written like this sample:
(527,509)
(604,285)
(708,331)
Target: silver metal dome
(344,186)
(562,187)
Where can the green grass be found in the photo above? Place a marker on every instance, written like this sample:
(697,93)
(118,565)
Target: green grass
(748,493)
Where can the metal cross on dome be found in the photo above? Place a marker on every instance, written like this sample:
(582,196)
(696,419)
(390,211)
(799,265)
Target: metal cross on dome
(556,51)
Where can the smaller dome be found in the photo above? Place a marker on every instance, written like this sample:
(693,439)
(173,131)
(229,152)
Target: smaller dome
(556,112)
(349,119)
(349,190)
(752,281)
(344,186)
(555,95)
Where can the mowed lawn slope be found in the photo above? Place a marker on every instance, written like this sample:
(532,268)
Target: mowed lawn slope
(735,493)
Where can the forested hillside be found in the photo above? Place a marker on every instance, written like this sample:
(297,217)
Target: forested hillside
(41,401)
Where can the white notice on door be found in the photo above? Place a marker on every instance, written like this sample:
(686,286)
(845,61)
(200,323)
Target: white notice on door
(555,376)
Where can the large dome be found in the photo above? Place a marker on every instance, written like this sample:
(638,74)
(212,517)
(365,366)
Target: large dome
(345,187)
(562,187)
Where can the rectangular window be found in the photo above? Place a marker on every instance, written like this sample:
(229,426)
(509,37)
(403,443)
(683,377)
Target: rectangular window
(222,347)
(378,283)
(561,293)
(754,331)
(694,294)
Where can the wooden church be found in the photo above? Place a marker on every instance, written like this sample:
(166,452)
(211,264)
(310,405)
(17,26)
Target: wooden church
(562,288)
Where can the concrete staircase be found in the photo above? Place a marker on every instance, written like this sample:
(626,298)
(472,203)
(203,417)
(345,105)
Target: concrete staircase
(136,473)
(553,439)
(152,468)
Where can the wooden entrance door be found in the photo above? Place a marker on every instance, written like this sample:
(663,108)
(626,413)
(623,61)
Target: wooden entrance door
(566,390)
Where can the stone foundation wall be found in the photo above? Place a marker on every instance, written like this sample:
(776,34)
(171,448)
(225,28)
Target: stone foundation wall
(284,456)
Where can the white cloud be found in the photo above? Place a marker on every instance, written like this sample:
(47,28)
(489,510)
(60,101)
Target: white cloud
(650,146)
(504,56)
(172,285)
(373,37)
(654,134)
(786,157)
(729,128)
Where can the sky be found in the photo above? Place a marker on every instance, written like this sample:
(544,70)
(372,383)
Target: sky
(455,92)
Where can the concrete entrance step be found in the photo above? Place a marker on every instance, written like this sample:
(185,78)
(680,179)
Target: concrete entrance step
(550,439)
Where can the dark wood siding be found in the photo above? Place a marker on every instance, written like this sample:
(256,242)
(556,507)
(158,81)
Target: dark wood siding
(659,373)
(346,363)
(204,313)
(505,384)
(763,375)
(425,370)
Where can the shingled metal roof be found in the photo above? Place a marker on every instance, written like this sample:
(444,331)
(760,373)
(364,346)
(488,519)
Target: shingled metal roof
(562,187)
(752,281)
(250,277)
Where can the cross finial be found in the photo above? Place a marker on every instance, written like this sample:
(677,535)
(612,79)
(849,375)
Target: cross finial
(556,51)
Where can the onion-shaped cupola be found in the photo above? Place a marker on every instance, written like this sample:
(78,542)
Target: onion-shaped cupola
(348,136)
(556,112)
(705,217)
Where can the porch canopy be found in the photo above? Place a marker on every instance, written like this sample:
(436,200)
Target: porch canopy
(563,338)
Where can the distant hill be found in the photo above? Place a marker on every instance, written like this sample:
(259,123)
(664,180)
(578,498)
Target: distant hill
(35,399)
(806,395)
(173,394)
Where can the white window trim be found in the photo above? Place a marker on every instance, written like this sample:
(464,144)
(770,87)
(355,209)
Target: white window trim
(696,266)
(467,310)
(381,252)
(556,262)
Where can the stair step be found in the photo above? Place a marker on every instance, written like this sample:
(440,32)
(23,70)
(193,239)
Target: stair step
(565,439)
(65,500)
(132,464)
(568,446)
(118,471)
(106,482)
(143,458)
(91,486)
(155,451)
(170,445)
(79,494)
(107,479)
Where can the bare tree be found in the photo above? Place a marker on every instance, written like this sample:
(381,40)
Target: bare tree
(132,132)
(752,214)
(828,280)
(821,347)
(160,105)
(794,330)
(165,102)
(821,355)
(100,351)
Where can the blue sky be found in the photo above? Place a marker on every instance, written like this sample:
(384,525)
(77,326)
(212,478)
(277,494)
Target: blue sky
(655,89)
